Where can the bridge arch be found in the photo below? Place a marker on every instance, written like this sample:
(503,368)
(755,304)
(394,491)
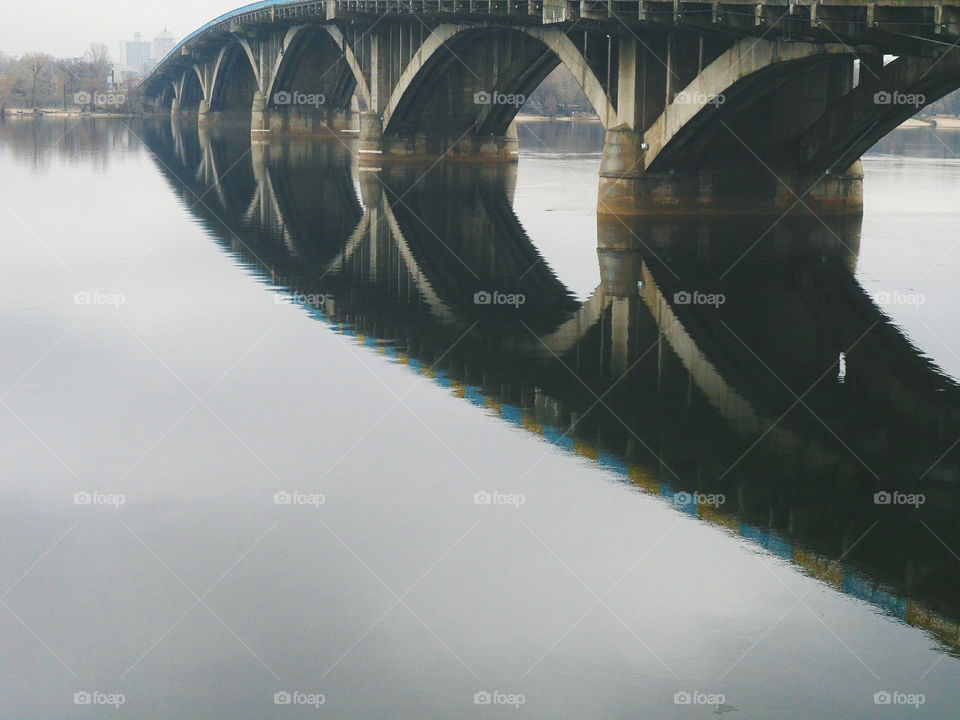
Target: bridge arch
(307,49)
(189,90)
(881,102)
(458,66)
(363,88)
(703,117)
(166,97)
(314,82)
(233,80)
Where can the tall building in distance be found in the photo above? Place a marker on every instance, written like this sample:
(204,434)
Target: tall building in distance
(139,56)
(136,53)
(162,44)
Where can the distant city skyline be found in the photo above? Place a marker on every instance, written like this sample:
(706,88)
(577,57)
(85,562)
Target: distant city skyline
(140,54)
(65,28)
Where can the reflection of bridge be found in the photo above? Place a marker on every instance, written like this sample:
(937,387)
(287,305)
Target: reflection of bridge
(687,389)
(711,106)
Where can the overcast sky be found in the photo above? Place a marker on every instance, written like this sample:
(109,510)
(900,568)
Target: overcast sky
(67,27)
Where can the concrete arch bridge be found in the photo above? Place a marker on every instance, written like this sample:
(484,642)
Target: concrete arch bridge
(709,107)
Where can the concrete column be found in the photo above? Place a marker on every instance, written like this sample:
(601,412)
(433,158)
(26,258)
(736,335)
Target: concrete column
(621,170)
(839,78)
(259,123)
(620,271)
(624,320)
(371,190)
(371,138)
(496,148)
(627,83)
(379,74)
(643,84)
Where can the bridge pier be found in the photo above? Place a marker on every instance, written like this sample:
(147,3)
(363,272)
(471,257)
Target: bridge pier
(719,129)
(259,120)
(375,146)
(371,138)
(424,146)
(288,120)
(628,188)
(621,269)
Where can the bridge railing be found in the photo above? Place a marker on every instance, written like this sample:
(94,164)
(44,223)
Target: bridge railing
(499,7)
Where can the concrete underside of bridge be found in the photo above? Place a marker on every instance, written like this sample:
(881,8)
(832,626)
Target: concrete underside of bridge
(699,118)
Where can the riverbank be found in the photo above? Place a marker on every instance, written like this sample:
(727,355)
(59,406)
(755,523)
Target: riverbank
(52,112)
(585,119)
(915,123)
(940,122)
(946,122)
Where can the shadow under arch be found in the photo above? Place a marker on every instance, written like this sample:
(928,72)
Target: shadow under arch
(318,66)
(233,84)
(454,91)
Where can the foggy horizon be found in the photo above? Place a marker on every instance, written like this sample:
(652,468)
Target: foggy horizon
(65,29)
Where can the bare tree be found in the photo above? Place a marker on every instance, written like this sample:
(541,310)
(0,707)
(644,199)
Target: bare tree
(68,77)
(39,80)
(37,69)
(96,66)
(6,81)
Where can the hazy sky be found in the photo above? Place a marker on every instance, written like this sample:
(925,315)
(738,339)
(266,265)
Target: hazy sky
(67,27)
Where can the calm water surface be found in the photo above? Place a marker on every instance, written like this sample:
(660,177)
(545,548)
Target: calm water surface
(263,433)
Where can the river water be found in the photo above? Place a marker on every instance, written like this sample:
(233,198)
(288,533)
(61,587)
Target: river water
(282,438)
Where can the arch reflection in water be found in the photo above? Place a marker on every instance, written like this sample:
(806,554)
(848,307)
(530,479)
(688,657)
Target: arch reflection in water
(753,385)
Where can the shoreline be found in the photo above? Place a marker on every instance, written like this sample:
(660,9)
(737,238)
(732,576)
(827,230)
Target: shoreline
(940,122)
(579,119)
(913,123)
(52,112)
(946,122)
